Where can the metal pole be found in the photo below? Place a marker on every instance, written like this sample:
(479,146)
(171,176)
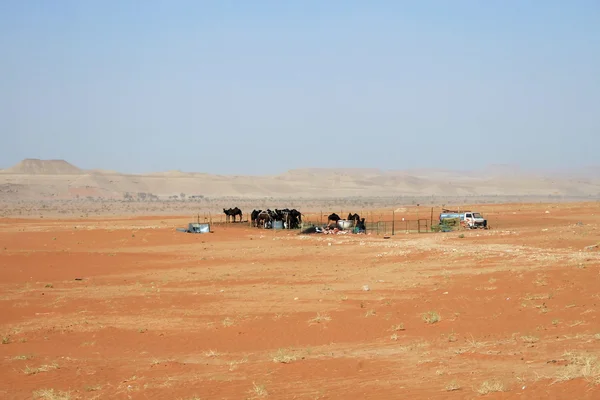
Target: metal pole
(393,222)
(431,221)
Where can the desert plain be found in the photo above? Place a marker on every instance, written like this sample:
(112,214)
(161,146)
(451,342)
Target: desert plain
(129,308)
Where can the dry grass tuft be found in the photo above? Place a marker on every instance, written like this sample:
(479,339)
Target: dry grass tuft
(320,318)
(211,353)
(452,337)
(23,357)
(50,394)
(43,368)
(544,296)
(399,327)
(284,357)
(529,339)
(431,317)
(259,390)
(452,386)
(491,387)
(233,364)
(580,366)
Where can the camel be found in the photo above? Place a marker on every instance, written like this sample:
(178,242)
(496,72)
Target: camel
(233,212)
(333,218)
(263,218)
(253,216)
(227,214)
(354,217)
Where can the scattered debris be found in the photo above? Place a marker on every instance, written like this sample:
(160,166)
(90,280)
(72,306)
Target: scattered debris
(366,288)
(327,230)
(195,227)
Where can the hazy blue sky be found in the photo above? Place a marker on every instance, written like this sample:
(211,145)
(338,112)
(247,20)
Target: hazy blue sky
(265,86)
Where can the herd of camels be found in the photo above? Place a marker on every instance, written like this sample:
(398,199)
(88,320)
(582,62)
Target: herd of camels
(291,219)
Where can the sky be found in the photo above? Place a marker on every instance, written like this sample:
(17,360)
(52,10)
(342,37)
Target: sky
(261,87)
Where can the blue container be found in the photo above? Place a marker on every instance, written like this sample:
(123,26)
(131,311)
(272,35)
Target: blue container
(461,216)
(277,224)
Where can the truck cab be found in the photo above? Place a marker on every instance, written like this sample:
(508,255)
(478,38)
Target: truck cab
(475,220)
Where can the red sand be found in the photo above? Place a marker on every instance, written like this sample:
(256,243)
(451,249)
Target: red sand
(247,313)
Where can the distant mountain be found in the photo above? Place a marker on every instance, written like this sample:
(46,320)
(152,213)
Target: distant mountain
(34,166)
(58,179)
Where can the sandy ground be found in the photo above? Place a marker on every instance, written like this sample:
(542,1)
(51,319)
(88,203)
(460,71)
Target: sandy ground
(128,308)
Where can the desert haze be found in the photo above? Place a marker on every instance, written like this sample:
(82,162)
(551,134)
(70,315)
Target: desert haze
(34,179)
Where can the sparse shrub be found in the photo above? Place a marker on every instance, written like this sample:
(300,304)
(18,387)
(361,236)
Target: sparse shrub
(529,339)
(259,390)
(320,318)
(452,386)
(211,353)
(581,365)
(431,317)
(283,357)
(43,368)
(452,337)
(51,394)
(491,387)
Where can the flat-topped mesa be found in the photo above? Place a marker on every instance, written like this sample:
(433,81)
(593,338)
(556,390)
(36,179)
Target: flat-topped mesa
(34,166)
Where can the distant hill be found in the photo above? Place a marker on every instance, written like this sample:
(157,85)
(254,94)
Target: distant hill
(34,166)
(58,179)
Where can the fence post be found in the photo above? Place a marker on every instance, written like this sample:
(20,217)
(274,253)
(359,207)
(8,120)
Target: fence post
(431,221)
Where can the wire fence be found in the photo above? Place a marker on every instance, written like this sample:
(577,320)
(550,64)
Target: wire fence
(401,221)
